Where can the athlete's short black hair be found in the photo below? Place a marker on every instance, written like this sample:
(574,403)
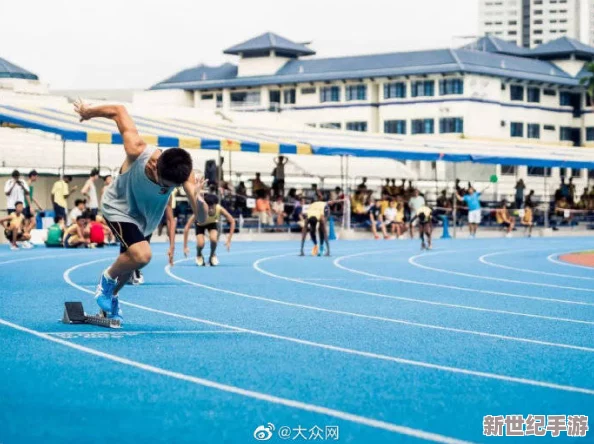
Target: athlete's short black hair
(422,218)
(94,172)
(175,165)
(211,199)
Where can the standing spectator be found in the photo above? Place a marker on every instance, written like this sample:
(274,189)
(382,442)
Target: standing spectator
(386,189)
(530,199)
(263,210)
(363,185)
(240,198)
(15,229)
(473,203)
(278,185)
(258,187)
(520,187)
(90,192)
(78,210)
(60,192)
(16,190)
(106,183)
(29,211)
(571,191)
(278,210)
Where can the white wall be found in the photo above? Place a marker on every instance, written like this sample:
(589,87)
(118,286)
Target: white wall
(174,97)
(258,66)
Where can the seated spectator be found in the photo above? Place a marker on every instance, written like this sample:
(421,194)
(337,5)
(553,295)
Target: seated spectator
(528,219)
(394,218)
(98,230)
(74,235)
(529,200)
(258,187)
(78,210)
(298,210)
(376,220)
(358,206)
(55,233)
(278,210)
(15,228)
(504,218)
(263,210)
(562,209)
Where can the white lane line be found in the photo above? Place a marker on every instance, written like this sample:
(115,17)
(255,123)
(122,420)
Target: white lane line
(139,332)
(484,260)
(34,258)
(421,434)
(422,364)
(257,266)
(337,263)
(553,258)
(412,261)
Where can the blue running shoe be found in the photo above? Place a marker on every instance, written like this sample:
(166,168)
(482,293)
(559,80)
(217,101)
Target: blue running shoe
(115,310)
(104,292)
(321,252)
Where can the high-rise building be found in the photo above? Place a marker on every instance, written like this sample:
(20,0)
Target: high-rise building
(530,23)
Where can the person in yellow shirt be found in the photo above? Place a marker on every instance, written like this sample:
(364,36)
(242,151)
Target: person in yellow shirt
(211,224)
(14,228)
(314,221)
(60,192)
(504,219)
(424,216)
(528,219)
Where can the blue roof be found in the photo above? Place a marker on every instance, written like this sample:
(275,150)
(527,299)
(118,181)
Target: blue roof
(383,65)
(497,45)
(563,46)
(203,73)
(269,41)
(13,71)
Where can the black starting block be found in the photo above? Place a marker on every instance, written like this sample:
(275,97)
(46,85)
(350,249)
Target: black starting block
(74,313)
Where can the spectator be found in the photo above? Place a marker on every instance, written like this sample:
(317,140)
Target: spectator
(95,230)
(386,188)
(212,173)
(298,210)
(564,189)
(278,184)
(263,210)
(60,192)
(473,203)
(15,228)
(78,210)
(504,219)
(90,192)
(571,191)
(363,185)
(75,236)
(416,201)
(530,199)
(394,218)
(520,187)
(278,210)
(258,187)
(106,182)
(376,220)
(16,190)
(358,206)
(55,233)
(528,219)
(240,198)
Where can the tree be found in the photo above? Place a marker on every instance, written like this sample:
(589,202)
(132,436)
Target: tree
(588,82)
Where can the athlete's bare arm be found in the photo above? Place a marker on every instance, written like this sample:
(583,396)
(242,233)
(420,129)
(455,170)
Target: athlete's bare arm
(187,229)
(231,221)
(133,143)
(171,226)
(194,190)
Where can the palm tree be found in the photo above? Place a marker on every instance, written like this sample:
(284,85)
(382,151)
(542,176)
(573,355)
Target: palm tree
(588,82)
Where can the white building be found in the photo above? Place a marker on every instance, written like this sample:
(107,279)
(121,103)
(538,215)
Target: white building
(530,23)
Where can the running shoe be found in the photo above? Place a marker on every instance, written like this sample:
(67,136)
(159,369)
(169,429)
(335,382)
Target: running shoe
(136,279)
(214,261)
(14,247)
(200,261)
(27,245)
(314,250)
(104,292)
(321,250)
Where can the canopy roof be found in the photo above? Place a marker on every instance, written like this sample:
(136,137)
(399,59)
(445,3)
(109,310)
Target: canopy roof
(187,133)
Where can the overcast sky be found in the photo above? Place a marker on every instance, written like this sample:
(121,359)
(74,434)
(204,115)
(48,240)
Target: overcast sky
(133,44)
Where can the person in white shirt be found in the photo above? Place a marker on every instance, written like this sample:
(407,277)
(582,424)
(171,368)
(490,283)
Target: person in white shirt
(90,192)
(78,210)
(16,190)
(415,202)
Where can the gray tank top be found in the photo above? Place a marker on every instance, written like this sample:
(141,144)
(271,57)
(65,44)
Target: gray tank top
(134,198)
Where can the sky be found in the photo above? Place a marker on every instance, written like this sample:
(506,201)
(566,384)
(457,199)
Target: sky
(113,44)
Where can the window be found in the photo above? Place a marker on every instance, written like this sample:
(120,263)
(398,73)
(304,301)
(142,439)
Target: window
(539,171)
(533,95)
(331,125)
(356,92)
(565,133)
(395,126)
(207,96)
(537,42)
(549,127)
(564,98)
(451,86)
(422,88)
(533,130)
(451,125)
(516,92)
(537,31)
(219,100)
(538,22)
(549,92)
(395,90)
(423,126)
(538,2)
(576,172)
(289,96)
(247,97)
(590,174)
(306,91)
(508,170)
(590,133)
(538,12)
(330,94)
(512,22)
(512,33)
(356,126)
(517,129)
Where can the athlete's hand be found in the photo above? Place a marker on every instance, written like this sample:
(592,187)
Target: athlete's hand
(186,251)
(228,244)
(82,110)
(200,184)
(170,254)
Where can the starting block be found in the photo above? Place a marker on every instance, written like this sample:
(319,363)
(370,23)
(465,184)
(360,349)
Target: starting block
(74,313)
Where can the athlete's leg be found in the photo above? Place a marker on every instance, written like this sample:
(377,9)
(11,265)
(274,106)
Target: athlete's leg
(214,238)
(303,236)
(200,242)
(428,232)
(134,258)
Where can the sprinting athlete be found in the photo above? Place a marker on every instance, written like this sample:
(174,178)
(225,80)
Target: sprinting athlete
(134,203)
(211,224)
(314,221)
(424,217)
